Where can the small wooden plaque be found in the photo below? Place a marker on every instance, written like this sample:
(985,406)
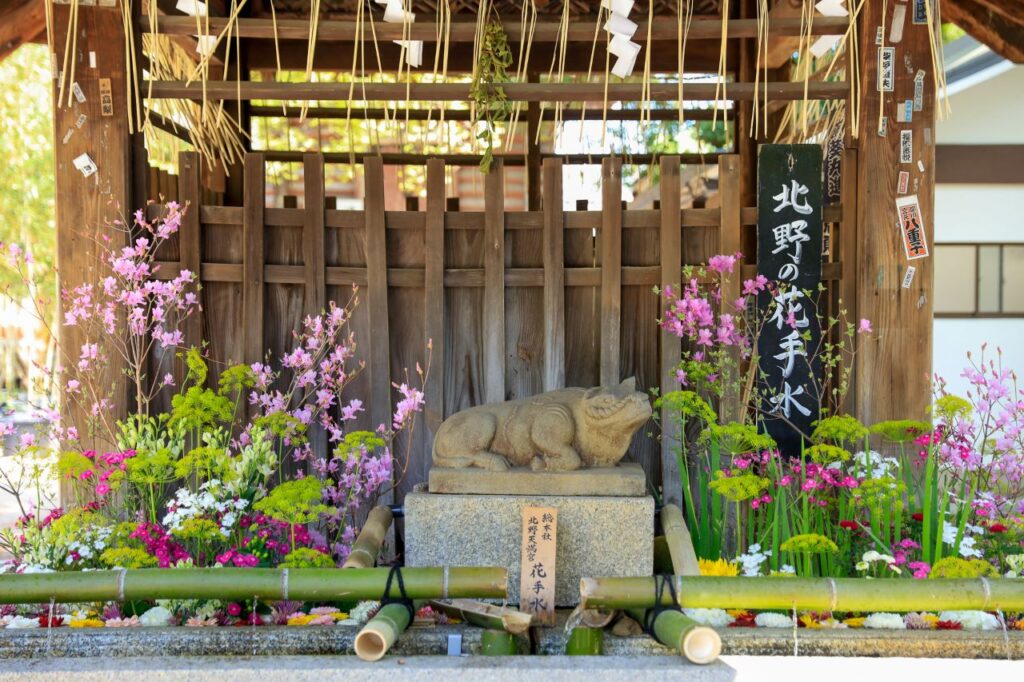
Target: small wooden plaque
(537,571)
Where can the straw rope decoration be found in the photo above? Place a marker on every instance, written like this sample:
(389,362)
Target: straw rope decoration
(720,85)
(314,24)
(645,89)
(938,59)
(70,45)
(527,26)
(683,18)
(590,73)
(277,49)
(762,50)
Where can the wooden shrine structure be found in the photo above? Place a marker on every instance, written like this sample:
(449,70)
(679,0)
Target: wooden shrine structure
(515,302)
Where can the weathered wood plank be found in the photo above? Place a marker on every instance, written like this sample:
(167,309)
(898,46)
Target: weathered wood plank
(729,242)
(313,233)
(494,284)
(610,241)
(847,248)
(377,294)
(554,277)
(252,264)
(671,253)
(433,293)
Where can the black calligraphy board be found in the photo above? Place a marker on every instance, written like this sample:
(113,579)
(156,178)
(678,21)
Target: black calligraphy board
(789,234)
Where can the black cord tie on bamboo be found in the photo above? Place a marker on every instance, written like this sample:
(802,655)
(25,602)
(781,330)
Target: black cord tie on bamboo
(661,581)
(402,598)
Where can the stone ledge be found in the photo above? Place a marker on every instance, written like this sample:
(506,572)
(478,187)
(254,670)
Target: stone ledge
(597,536)
(625,480)
(351,669)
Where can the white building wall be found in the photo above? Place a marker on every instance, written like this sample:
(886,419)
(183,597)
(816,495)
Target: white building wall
(991,112)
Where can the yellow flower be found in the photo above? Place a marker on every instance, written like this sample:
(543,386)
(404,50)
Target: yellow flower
(855,622)
(930,618)
(719,567)
(738,613)
(809,621)
(300,620)
(86,623)
(339,615)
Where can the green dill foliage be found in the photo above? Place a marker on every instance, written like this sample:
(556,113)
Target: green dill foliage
(197,370)
(294,503)
(357,442)
(199,409)
(127,557)
(205,463)
(949,408)
(305,557)
(882,493)
(490,103)
(900,430)
(738,486)
(955,567)
(686,404)
(73,524)
(738,439)
(839,429)
(823,453)
(235,380)
(71,464)
(283,426)
(809,543)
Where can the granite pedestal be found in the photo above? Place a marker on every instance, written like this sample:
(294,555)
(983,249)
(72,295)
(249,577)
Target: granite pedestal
(597,536)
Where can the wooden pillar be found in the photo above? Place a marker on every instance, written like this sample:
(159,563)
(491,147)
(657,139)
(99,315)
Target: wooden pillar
(86,205)
(893,369)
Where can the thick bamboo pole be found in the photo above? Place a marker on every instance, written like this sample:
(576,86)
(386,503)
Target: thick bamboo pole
(697,643)
(815,594)
(584,641)
(383,630)
(483,615)
(234,584)
(367,546)
(677,537)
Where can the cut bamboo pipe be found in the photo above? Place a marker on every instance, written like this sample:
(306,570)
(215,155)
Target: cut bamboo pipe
(680,545)
(697,643)
(236,584)
(383,630)
(584,641)
(367,546)
(483,615)
(498,643)
(812,594)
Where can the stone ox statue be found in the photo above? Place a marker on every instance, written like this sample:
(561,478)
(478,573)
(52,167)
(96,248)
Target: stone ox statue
(559,430)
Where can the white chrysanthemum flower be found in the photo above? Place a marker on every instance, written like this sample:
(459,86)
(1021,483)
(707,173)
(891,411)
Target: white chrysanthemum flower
(885,621)
(972,620)
(361,613)
(716,618)
(22,623)
(773,620)
(157,616)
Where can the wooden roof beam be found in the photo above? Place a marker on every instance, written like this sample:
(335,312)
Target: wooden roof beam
(21,22)
(465,32)
(1002,29)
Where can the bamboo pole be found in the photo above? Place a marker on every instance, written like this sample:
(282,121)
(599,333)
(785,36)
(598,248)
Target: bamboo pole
(235,584)
(383,630)
(484,615)
(584,641)
(367,546)
(697,643)
(498,643)
(677,537)
(813,594)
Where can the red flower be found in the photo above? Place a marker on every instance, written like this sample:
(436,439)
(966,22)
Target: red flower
(745,620)
(46,622)
(998,528)
(917,516)
(948,625)
(849,525)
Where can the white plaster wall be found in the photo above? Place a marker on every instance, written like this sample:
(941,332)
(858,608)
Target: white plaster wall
(955,337)
(987,113)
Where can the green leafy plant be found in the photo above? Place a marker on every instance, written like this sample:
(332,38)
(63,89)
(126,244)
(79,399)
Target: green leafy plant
(295,502)
(490,103)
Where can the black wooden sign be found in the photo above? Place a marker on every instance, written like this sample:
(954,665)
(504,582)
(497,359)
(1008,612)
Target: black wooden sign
(789,234)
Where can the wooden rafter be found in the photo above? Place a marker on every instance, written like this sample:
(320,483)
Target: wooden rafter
(21,21)
(991,22)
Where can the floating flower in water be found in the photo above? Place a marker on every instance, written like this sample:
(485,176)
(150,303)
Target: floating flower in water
(157,616)
(132,622)
(773,620)
(972,620)
(716,618)
(22,622)
(885,621)
(720,567)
